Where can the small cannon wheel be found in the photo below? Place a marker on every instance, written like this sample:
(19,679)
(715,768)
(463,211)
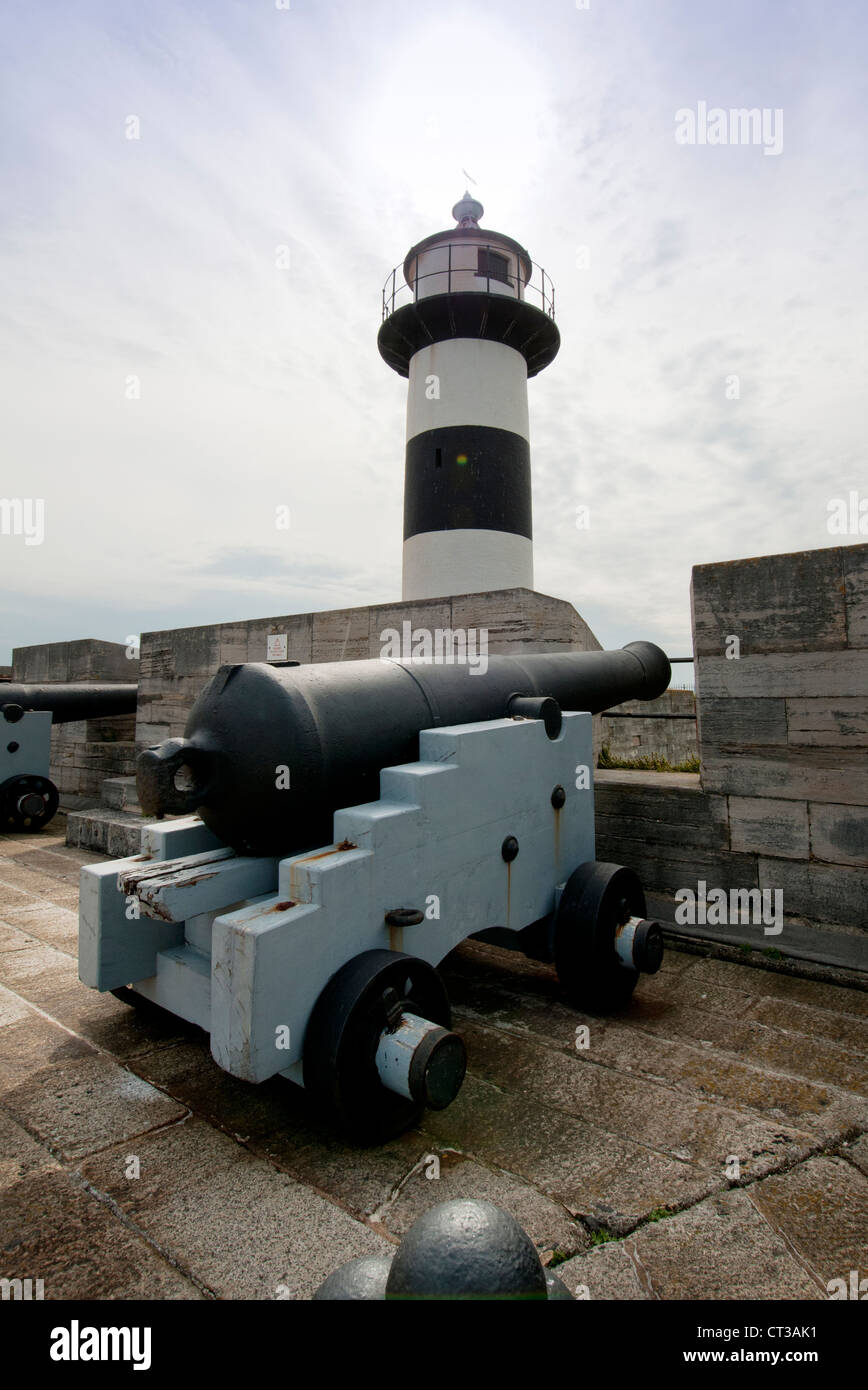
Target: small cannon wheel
(597,899)
(27,803)
(343,1035)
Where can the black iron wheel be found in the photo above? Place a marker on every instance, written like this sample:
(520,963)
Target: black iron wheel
(27,803)
(343,1034)
(597,900)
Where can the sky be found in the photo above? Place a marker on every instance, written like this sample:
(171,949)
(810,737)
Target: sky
(202,202)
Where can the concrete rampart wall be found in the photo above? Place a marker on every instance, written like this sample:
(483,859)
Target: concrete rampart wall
(781,644)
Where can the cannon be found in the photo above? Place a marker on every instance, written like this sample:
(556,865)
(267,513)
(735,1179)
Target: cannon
(335,831)
(334,726)
(28,797)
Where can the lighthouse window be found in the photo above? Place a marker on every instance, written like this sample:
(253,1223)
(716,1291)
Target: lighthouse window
(493,266)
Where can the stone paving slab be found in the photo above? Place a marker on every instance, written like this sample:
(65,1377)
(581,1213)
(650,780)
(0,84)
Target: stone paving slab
(588,1171)
(276,1121)
(235,1222)
(700,1071)
(720,1249)
(607,1272)
(20,1155)
(17,878)
(57,861)
(664,1120)
(32,1046)
(12,1008)
(110,1024)
(857,1152)
(821,1209)
(54,926)
(771,1048)
(774,986)
(73,1098)
(29,966)
(53,1229)
(822,1024)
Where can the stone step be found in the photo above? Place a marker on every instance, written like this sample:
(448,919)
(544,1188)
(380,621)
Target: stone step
(107,830)
(120,793)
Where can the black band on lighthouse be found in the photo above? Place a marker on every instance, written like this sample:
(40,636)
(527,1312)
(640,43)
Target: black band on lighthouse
(467,477)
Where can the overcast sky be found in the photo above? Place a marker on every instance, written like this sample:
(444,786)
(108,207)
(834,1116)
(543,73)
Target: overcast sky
(340,131)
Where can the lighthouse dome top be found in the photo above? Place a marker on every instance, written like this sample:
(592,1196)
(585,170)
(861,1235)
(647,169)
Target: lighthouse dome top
(467,211)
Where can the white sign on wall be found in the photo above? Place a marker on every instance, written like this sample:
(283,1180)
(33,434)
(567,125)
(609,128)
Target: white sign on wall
(276,646)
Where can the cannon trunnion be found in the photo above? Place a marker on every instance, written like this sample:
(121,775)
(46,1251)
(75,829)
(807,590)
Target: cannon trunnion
(454,804)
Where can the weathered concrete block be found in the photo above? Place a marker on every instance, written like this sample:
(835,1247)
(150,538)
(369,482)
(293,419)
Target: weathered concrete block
(194,650)
(817,774)
(672,866)
(299,637)
(775,603)
(856,594)
(429,616)
(660,808)
(823,892)
(87,659)
(839,834)
(806,675)
(762,825)
(839,723)
(736,724)
(341,635)
(523,620)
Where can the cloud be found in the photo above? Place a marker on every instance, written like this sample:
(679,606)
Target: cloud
(338,133)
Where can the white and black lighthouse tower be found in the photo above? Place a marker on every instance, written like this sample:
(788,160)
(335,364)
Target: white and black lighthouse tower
(472,320)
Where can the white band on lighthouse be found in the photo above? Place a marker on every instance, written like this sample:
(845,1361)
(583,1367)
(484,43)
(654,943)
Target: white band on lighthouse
(467,381)
(437,563)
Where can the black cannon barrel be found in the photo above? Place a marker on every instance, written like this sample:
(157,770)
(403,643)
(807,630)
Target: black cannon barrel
(271,752)
(68,702)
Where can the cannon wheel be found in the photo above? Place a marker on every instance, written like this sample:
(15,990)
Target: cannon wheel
(597,899)
(27,803)
(343,1034)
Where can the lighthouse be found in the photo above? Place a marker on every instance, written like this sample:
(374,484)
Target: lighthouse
(467,319)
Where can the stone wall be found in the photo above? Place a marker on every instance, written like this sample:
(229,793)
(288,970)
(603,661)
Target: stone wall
(782,801)
(87,751)
(643,735)
(176,664)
